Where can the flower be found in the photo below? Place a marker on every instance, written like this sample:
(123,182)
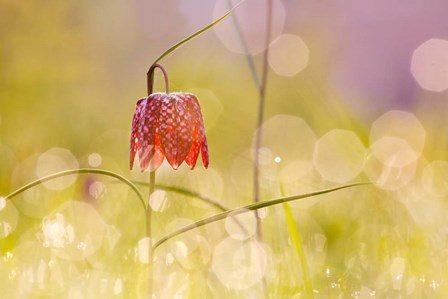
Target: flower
(168,125)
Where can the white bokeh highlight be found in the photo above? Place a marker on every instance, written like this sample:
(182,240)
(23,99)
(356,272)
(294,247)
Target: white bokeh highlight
(397,138)
(241,226)
(94,160)
(159,201)
(9,217)
(55,160)
(239,265)
(287,148)
(339,156)
(75,231)
(429,65)
(435,178)
(288,55)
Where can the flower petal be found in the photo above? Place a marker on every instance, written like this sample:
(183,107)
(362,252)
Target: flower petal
(146,130)
(158,157)
(204,152)
(175,129)
(195,110)
(134,131)
(192,156)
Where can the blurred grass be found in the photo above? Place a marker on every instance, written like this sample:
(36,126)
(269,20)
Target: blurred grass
(70,74)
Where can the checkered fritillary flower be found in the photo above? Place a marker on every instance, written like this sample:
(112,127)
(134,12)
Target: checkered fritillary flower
(168,125)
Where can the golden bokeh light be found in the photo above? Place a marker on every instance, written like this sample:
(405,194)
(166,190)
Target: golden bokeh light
(9,217)
(339,156)
(288,55)
(241,226)
(54,160)
(71,237)
(397,138)
(435,178)
(238,264)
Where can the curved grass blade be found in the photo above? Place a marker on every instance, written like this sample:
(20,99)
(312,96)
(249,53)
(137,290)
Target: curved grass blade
(76,171)
(251,207)
(173,48)
(186,192)
(196,195)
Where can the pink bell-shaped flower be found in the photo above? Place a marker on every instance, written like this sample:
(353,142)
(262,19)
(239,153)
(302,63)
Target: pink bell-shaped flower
(168,125)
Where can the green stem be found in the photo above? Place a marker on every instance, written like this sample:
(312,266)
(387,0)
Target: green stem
(152,182)
(150,78)
(298,245)
(76,171)
(261,108)
(297,241)
(250,207)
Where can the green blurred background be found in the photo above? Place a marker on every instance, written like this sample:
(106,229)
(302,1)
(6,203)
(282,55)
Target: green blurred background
(356,91)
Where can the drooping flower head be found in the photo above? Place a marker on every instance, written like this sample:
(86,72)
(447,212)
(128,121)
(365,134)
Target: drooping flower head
(168,125)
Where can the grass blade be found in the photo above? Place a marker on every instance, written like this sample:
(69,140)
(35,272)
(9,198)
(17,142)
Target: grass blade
(186,192)
(173,48)
(251,207)
(76,171)
(196,195)
(297,241)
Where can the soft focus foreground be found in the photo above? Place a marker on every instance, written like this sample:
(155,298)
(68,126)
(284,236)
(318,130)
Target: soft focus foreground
(356,92)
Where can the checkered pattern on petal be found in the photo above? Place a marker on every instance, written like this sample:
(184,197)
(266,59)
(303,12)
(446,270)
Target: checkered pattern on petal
(199,139)
(147,130)
(158,157)
(134,132)
(175,129)
(168,126)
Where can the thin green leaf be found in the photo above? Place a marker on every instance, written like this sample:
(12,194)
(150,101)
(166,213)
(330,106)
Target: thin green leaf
(251,207)
(76,171)
(297,241)
(188,193)
(196,195)
(173,48)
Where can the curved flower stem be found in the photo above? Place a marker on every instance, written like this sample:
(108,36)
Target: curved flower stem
(150,78)
(76,171)
(251,207)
